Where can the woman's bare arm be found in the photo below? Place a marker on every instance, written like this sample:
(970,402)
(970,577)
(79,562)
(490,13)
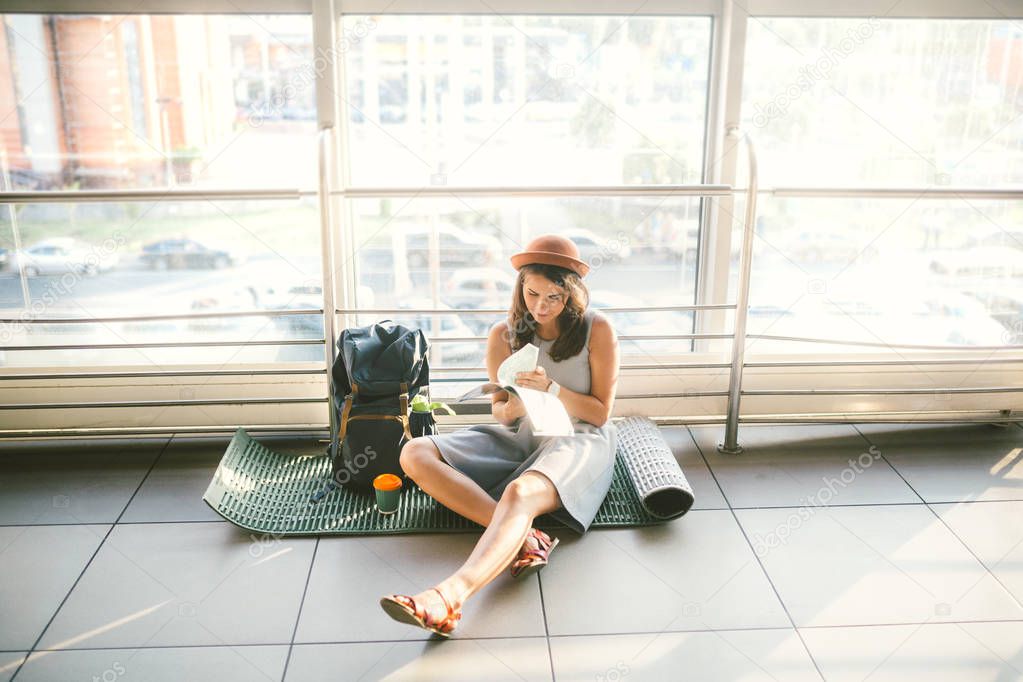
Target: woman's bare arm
(504,410)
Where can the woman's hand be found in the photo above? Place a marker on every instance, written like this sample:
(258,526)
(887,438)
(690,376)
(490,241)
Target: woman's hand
(537,379)
(513,408)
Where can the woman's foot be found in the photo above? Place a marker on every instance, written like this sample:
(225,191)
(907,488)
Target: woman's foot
(429,609)
(533,555)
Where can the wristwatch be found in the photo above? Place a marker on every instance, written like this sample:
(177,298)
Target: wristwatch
(554,388)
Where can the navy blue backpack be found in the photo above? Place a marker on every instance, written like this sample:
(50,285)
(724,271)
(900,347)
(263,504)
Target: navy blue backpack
(378,370)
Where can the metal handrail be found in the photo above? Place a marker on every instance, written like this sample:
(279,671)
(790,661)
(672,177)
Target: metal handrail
(926,192)
(730,444)
(473,374)
(289,193)
(866,363)
(158,318)
(33,376)
(160,403)
(621,337)
(884,391)
(695,190)
(982,417)
(877,344)
(169,344)
(504,311)
(127,195)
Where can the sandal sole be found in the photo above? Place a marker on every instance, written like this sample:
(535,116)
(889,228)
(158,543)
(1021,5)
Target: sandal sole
(402,615)
(535,568)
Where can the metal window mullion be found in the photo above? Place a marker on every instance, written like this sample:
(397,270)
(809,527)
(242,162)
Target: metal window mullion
(324,32)
(723,111)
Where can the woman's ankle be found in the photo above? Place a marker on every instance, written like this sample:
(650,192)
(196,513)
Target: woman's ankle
(455,590)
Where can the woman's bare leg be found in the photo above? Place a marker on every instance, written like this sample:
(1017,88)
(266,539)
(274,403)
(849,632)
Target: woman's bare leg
(525,498)
(421,460)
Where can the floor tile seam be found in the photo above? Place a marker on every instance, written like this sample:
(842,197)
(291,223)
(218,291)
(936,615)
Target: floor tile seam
(961,540)
(301,604)
(760,563)
(546,627)
(759,628)
(92,558)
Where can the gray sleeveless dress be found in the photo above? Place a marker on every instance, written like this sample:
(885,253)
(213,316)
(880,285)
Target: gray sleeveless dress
(580,466)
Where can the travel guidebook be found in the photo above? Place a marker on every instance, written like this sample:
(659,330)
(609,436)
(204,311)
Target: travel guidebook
(545,411)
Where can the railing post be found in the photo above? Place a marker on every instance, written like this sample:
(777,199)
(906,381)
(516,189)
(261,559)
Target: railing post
(730,445)
(327,250)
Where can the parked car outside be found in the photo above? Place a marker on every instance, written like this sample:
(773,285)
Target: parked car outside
(595,249)
(439,327)
(308,295)
(457,248)
(474,288)
(978,261)
(167,254)
(59,255)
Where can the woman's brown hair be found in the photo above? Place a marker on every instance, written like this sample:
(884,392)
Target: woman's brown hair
(571,325)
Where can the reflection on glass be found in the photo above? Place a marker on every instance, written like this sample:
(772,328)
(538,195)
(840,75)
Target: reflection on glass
(899,103)
(140,101)
(103,260)
(886,271)
(526,100)
(452,253)
(879,102)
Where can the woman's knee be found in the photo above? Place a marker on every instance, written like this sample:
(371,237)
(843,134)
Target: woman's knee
(416,453)
(531,489)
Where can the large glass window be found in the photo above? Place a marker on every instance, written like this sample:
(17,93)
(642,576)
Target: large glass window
(886,103)
(97,102)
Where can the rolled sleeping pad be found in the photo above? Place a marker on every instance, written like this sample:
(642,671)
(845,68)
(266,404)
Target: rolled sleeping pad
(662,487)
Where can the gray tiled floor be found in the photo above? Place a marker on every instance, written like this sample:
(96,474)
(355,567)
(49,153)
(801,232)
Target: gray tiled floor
(795,563)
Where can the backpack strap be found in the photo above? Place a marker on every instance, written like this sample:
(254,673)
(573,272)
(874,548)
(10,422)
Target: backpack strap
(343,427)
(404,410)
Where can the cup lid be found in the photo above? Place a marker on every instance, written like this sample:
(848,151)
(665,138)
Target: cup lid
(386,482)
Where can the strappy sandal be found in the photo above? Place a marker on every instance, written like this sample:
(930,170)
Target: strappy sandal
(404,609)
(529,560)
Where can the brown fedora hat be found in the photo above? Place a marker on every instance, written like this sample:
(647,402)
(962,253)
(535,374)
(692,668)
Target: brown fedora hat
(552,249)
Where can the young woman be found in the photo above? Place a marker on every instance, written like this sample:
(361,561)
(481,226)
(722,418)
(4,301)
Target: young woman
(502,476)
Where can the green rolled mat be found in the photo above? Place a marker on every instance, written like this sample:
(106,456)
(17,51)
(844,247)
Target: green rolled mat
(268,492)
(653,469)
